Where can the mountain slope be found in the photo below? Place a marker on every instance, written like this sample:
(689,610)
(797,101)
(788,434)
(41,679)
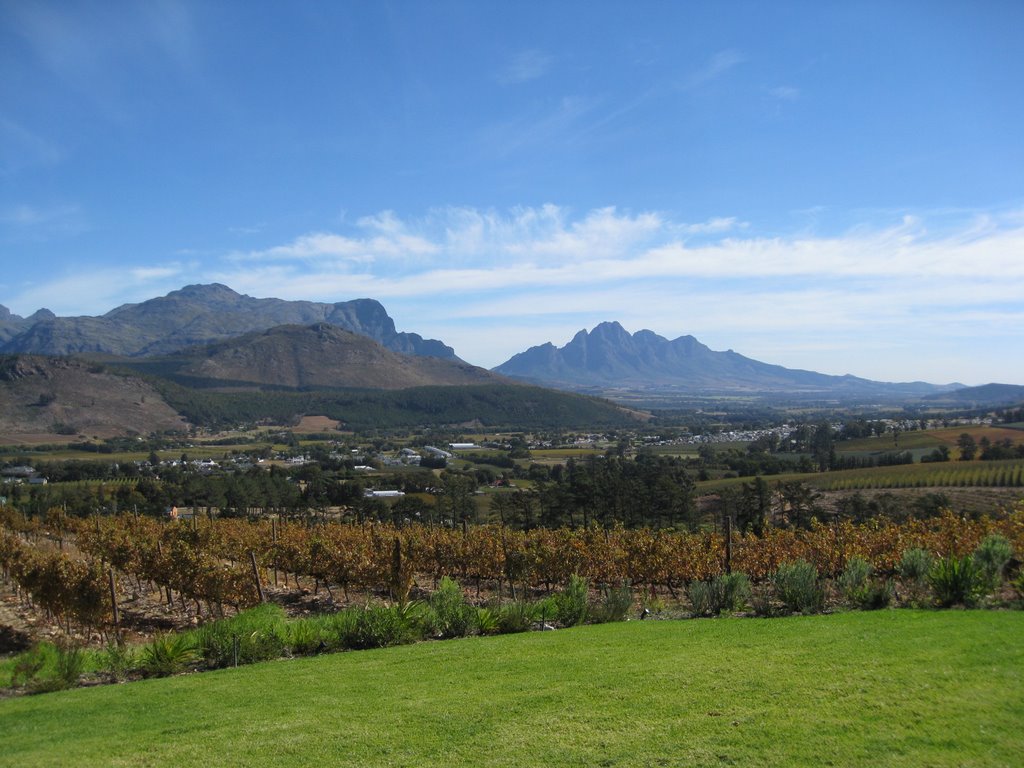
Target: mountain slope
(610,357)
(48,396)
(199,314)
(318,356)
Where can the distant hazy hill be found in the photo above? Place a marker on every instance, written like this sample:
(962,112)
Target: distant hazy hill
(987,394)
(198,314)
(319,356)
(609,357)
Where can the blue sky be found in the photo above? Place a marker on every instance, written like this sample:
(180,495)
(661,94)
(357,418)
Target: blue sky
(831,186)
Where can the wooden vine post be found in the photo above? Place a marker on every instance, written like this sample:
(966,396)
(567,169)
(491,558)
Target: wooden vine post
(728,543)
(273,538)
(256,576)
(113,602)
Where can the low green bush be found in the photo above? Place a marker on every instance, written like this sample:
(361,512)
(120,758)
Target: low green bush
(167,655)
(516,616)
(571,604)
(797,587)
(257,634)
(376,626)
(70,664)
(117,660)
(307,636)
(956,581)
(451,616)
(859,590)
(29,664)
(725,592)
(614,604)
(703,598)
(486,621)
(992,556)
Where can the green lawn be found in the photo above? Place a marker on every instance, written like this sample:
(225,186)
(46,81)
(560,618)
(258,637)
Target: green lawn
(893,688)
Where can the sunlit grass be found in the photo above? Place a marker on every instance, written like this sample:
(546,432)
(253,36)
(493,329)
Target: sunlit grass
(895,688)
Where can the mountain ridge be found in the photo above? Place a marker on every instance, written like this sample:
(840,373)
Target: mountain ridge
(199,314)
(610,357)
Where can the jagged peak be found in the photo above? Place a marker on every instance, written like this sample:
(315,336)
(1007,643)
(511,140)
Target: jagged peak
(41,315)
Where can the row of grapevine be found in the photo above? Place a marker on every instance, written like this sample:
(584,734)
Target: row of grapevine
(209,561)
(994,474)
(68,588)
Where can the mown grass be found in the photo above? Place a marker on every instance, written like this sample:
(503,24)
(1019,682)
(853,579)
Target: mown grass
(891,688)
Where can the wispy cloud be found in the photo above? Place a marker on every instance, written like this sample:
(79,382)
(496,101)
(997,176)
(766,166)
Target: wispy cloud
(21,148)
(33,222)
(553,124)
(95,49)
(715,67)
(785,93)
(525,65)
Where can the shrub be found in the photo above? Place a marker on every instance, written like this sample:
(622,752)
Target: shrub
(913,570)
(257,634)
(915,565)
(306,637)
(167,655)
(376,626)
(956,581)
(571,603)
(735,590)
(797,587)
(486,621)
(416,615)
(517,616)
(761,601)
(726,592)
(451,616)
(70,665)
(992,556)
(859,590)
(614,605)
(703,598)
(854,579)
(28,665)
(116,660)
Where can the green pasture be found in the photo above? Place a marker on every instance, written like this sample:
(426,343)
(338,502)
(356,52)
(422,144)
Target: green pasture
(888,688)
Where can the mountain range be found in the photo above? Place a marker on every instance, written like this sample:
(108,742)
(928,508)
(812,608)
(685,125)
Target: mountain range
(194,315)
(610,358)
(214,335)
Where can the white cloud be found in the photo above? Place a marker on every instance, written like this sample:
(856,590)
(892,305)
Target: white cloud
(495,282)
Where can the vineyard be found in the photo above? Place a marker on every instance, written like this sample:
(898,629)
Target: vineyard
(973,474)
(204,565)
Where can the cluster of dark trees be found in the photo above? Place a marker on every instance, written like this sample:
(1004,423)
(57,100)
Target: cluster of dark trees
(650,490)
(493,404)
(988,450)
